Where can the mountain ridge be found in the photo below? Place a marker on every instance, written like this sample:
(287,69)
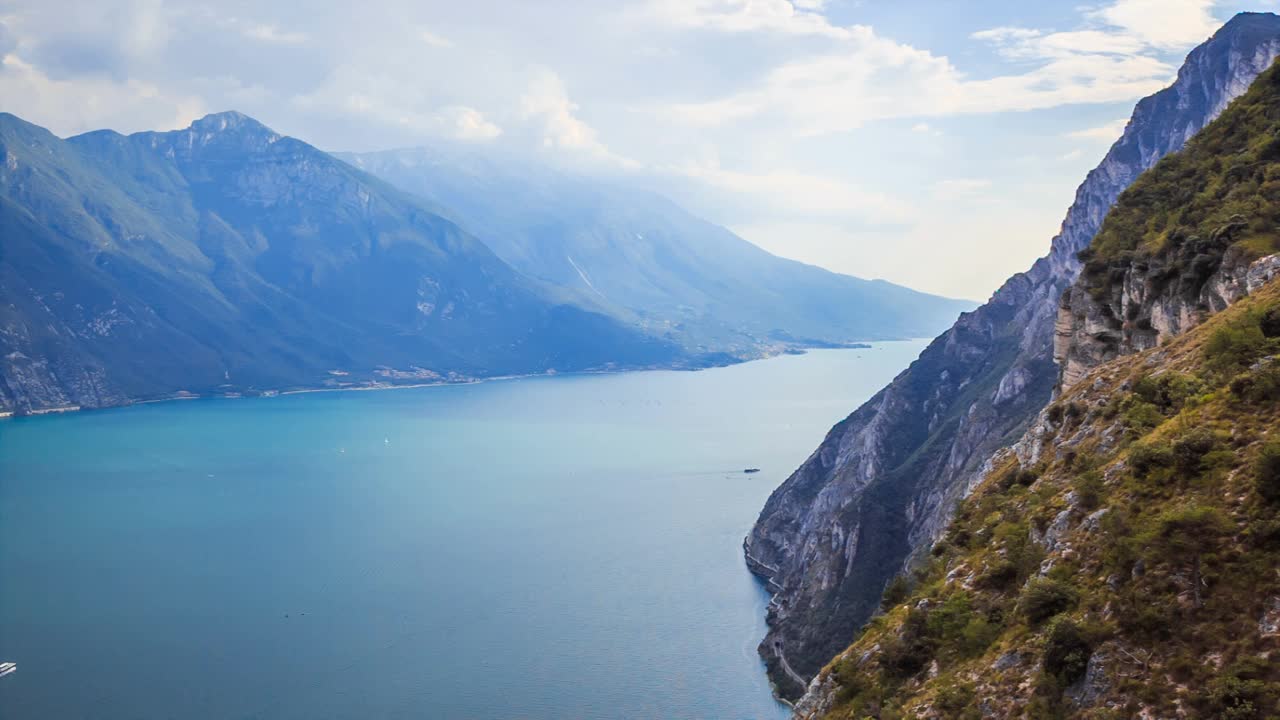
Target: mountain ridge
(1119,559)
(643,258)
(226,258)
(884,481)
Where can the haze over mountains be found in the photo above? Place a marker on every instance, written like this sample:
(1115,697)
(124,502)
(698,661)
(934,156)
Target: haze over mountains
(228,258)
(643,258)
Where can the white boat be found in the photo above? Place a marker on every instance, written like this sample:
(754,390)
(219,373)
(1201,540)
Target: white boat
(6,668)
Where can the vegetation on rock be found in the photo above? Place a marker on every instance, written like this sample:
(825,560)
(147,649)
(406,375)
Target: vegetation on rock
(1148,591)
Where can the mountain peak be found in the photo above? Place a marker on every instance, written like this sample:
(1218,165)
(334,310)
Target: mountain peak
(1249,17)
(230,121)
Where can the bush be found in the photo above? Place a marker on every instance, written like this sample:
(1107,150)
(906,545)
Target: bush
(1141,417)
(1016,475)
(1148,457)
(1267,471)
(1235,346)
(1189,450)
(999,575)
(956,701)
(1088,487)
(1043,598)
(1270,323)
(906,654)
(1243,692)
(1258,387)
(1168,392)
(1066,652)
(895,592)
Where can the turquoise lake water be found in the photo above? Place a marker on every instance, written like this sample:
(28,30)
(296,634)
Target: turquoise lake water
(561,547)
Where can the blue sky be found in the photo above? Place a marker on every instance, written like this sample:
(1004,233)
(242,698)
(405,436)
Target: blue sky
(935,144)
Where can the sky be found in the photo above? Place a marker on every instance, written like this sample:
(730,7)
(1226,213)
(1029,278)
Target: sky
(932,143)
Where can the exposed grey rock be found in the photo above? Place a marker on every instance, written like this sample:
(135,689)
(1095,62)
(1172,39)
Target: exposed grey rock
(1089,330)
(1270,622)
(1094,520)
(884,482)
(818,699)
(1086,691)
(1007,660)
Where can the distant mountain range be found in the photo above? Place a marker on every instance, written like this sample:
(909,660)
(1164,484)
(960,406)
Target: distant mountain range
(225,258)
(642,258)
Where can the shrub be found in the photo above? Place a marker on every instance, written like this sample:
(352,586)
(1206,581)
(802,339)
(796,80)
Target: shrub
(906,654)
(1016,475)
(1184,535)
(1088,487)
(1235,346)
(1189,450)
(956,701)
(999,575)
(1043,598)
(1148,457)
(1258,387)
(895,592)
(1168,392)
(1141,417)
(1066,652)
(1243,692)
(1270,323)
(850,679)
(1267,472)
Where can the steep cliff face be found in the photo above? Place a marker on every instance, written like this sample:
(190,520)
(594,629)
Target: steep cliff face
(1118,563)
(882,484)
(1119,559)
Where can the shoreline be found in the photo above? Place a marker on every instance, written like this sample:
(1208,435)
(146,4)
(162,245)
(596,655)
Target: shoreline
(265,394)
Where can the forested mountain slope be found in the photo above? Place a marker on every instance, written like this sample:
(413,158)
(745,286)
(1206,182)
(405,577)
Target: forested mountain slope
(227,258)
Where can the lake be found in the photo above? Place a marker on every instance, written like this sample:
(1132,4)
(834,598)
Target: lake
(558,547)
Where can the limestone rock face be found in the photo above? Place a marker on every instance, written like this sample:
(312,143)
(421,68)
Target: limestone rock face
(883,483)
(1146,309)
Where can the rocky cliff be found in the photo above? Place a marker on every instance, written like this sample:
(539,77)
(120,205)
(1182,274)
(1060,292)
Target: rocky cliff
(885,480)
(1119,559)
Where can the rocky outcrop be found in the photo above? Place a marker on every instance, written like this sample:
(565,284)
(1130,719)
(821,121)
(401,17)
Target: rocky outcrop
(1153,302)
(885,480)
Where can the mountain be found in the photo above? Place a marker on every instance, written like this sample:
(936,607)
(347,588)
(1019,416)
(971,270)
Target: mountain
(645,260)
(884,482)
(228,258)
(1120,559)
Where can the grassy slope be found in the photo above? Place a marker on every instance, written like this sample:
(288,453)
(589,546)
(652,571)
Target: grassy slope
(1173,435)
(1088,554)
(1219,197)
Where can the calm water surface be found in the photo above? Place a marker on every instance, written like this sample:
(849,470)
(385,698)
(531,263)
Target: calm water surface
(547,548)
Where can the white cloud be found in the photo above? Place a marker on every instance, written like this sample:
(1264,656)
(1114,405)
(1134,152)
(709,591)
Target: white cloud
(434,39)
(801,194)
(801,17)
(272,34)
(868,77)
(69,107)
(961,187)
(1109,132)
(467,123)
(1161,23)
(546,103)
